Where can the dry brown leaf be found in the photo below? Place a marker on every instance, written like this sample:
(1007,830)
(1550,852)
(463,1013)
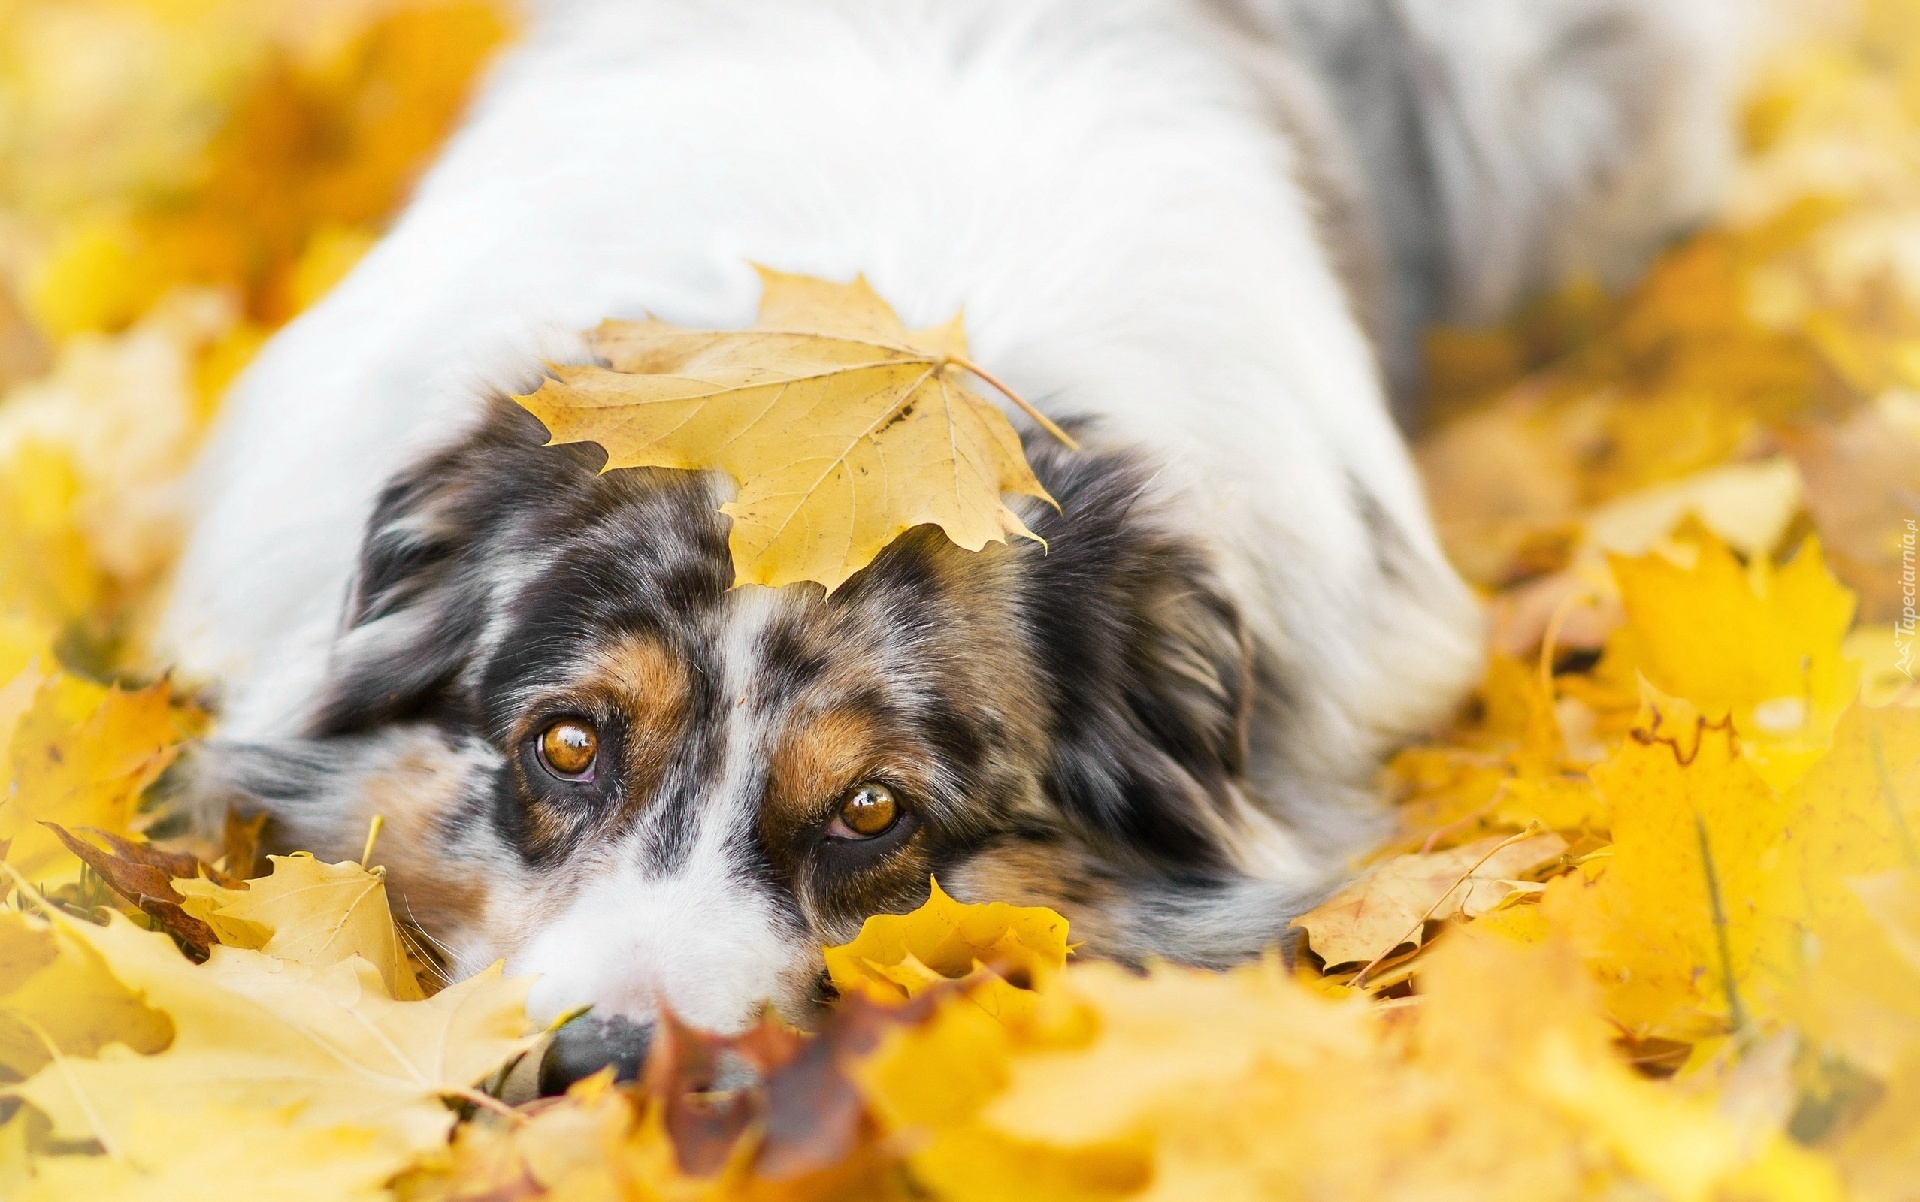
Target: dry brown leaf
(842,428)
(1390,904)
(144,875)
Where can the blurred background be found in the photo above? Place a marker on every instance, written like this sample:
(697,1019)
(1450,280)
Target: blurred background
(177,179)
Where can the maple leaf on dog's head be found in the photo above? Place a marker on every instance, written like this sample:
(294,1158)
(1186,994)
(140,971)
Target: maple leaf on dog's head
(842,428)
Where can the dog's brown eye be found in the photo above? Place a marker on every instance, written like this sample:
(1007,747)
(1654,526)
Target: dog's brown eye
(568,747)
(867,811)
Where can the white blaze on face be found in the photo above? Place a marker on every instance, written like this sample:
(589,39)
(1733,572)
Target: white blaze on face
(707,945)
(705,938)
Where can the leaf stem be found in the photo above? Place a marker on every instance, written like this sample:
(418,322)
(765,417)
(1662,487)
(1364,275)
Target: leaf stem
(1042,420)
(1736,1013)
(486,1102)
(373,835)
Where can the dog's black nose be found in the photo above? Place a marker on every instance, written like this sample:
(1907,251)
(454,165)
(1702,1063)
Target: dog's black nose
(590,1043)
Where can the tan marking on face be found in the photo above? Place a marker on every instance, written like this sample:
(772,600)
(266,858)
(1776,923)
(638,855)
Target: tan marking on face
(649,686)
(822,756)
(645,674)
(420,796)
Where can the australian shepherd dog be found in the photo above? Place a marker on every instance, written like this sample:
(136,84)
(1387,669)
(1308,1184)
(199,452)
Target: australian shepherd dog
(1203,234)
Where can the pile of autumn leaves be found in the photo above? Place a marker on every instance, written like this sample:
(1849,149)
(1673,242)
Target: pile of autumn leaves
(1764,941)
(1650,924)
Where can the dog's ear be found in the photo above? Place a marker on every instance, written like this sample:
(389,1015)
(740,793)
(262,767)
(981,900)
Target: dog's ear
(1151,667)
(430,568)
(413,614)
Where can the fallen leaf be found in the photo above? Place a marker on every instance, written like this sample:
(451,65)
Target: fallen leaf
(842,428)
(80,757)
(580,1146)
(254,1031)
(16,1151)
(1499,484)
(1520,1020)
(1878,1152)
(1758,643)
(1854,817)
(1748,506)
(240,845)
(144,874)
(170,1152)
(683,1072)
(1863,488)
(1001,948)
(1392,902)
(312,913)
(58,994)
(1690,924)
(1579,611)
(1889,660)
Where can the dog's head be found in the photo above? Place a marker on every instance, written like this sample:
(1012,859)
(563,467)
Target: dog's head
(599,761)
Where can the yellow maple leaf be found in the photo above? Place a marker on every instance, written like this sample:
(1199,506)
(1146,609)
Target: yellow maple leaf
(842,428)
(1857,811)
(172,1151)
(311,913)
(252,1030)
(1759,643)
(1247,1085)
(993,1113)
(1690,911)
(598,1142)
(58,994)
(1514,1027)
(45,567)
(1878,1153)
(899,956)
(26,656)
(1854,816)
(81,756)
(1392,902)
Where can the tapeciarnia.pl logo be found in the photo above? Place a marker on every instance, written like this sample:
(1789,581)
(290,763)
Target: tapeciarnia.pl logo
(1903,629)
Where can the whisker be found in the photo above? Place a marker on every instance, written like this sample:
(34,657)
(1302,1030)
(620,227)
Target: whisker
(436,958)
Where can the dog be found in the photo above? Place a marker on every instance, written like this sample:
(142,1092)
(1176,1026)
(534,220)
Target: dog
(1204,234)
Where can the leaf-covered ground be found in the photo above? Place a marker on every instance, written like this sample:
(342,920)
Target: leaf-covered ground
(1649,928)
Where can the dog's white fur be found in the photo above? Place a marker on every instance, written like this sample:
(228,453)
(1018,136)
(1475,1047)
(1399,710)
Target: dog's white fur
(1113,190)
